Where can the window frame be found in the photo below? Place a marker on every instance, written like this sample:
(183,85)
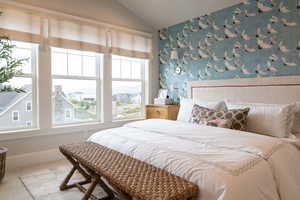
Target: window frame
(99,65)
(142,80)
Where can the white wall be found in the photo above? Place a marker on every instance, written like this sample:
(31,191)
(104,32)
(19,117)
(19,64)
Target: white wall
(108,11)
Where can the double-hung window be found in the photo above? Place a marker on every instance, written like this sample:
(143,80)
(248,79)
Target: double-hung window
(13,116)
(75,86)
(128,87)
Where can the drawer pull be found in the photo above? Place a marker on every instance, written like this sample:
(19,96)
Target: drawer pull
(158,112)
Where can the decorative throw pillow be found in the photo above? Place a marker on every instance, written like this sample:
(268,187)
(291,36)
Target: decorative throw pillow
(202,115)
(221,123)
(186,106)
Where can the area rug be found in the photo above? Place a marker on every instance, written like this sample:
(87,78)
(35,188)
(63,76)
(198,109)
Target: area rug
(44,185)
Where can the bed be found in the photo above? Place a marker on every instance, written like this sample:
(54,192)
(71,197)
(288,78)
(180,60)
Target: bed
(225,164)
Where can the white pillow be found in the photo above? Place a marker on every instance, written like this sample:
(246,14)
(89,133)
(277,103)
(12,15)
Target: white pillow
(269,119)
(186,106)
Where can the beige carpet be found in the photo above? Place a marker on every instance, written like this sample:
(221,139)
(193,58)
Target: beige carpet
(44,185)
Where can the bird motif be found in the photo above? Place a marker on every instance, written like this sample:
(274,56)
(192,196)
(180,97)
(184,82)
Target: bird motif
(259,33)
(246,2)
(162,35)
(229,34)
(229,66)
(209,35)
(195,57)
(288,63)
(207,72)
(260,71)
(270,67)
(248,49)
(181,44)
(200,76)
(288,23)
(263,45)
(207,43)
(245,36)
(215,27)
(184,58)
(202,54)
(283,48)
(235,20)
(179,36)
(263,8)
(226,56)
(226,24)
(274,19)
(235,53)
(273,40)
(193,28)
(185,31)
(273,3)
(237,45)
(218,38)
(245,71)
(283,9)
(191,46)
(273,58)
(201,24)
(214,57)
(271,30)
(218,69)
(162,60)
(237,11)
(249,14)
(200,46)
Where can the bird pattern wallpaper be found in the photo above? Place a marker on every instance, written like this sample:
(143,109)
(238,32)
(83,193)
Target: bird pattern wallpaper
(256,38)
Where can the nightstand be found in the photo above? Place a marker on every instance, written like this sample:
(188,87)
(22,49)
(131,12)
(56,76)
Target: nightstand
(162,111)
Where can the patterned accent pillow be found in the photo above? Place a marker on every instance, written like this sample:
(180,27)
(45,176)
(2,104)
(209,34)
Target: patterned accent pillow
(221,123)
(202,115)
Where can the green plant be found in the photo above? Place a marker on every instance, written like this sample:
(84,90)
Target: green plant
(9,66)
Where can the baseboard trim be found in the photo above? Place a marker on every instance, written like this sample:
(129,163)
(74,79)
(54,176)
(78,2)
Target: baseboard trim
(35,158)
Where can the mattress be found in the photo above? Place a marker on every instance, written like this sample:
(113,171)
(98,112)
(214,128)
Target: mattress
(225,164)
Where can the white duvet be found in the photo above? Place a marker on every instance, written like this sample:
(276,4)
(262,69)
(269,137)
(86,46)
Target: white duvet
(225,164)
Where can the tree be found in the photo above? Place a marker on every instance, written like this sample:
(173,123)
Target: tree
(9,66)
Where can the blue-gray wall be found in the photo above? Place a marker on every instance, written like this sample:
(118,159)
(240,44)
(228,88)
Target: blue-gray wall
(253,39)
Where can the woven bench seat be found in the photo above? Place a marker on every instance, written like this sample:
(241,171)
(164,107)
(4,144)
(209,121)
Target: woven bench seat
(127,176)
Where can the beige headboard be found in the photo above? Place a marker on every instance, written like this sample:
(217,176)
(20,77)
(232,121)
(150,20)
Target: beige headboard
(277,90)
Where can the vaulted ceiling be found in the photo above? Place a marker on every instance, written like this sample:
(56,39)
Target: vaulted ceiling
(164,13)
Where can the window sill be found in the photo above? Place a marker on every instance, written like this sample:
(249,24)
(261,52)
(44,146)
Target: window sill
(68,129)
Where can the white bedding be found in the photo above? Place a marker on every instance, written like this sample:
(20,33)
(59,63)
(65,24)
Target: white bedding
(225,164)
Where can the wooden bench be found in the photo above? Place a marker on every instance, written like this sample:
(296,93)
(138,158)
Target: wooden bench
(127,177)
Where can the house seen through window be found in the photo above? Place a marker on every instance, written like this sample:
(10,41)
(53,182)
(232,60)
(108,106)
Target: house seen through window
(76,84)
(14,106)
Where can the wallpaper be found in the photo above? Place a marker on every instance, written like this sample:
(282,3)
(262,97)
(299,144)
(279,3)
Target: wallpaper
(257,38)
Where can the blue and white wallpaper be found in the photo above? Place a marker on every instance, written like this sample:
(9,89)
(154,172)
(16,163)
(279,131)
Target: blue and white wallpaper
(256,38)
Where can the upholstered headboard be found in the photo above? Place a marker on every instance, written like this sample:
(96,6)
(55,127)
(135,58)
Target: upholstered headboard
(277,90)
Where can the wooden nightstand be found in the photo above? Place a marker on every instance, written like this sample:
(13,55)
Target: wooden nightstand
(162,111)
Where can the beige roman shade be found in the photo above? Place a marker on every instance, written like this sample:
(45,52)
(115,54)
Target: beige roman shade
(131,44)
(20,24)
(60,30)
(75,34)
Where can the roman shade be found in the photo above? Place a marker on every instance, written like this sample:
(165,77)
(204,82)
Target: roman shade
(20,24)
(60,30)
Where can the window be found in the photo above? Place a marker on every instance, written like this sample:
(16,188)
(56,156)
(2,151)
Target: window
(28,106)
(12,101)
(15,115)
(76,86)
(68,115)
(128,87)
(29,123)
